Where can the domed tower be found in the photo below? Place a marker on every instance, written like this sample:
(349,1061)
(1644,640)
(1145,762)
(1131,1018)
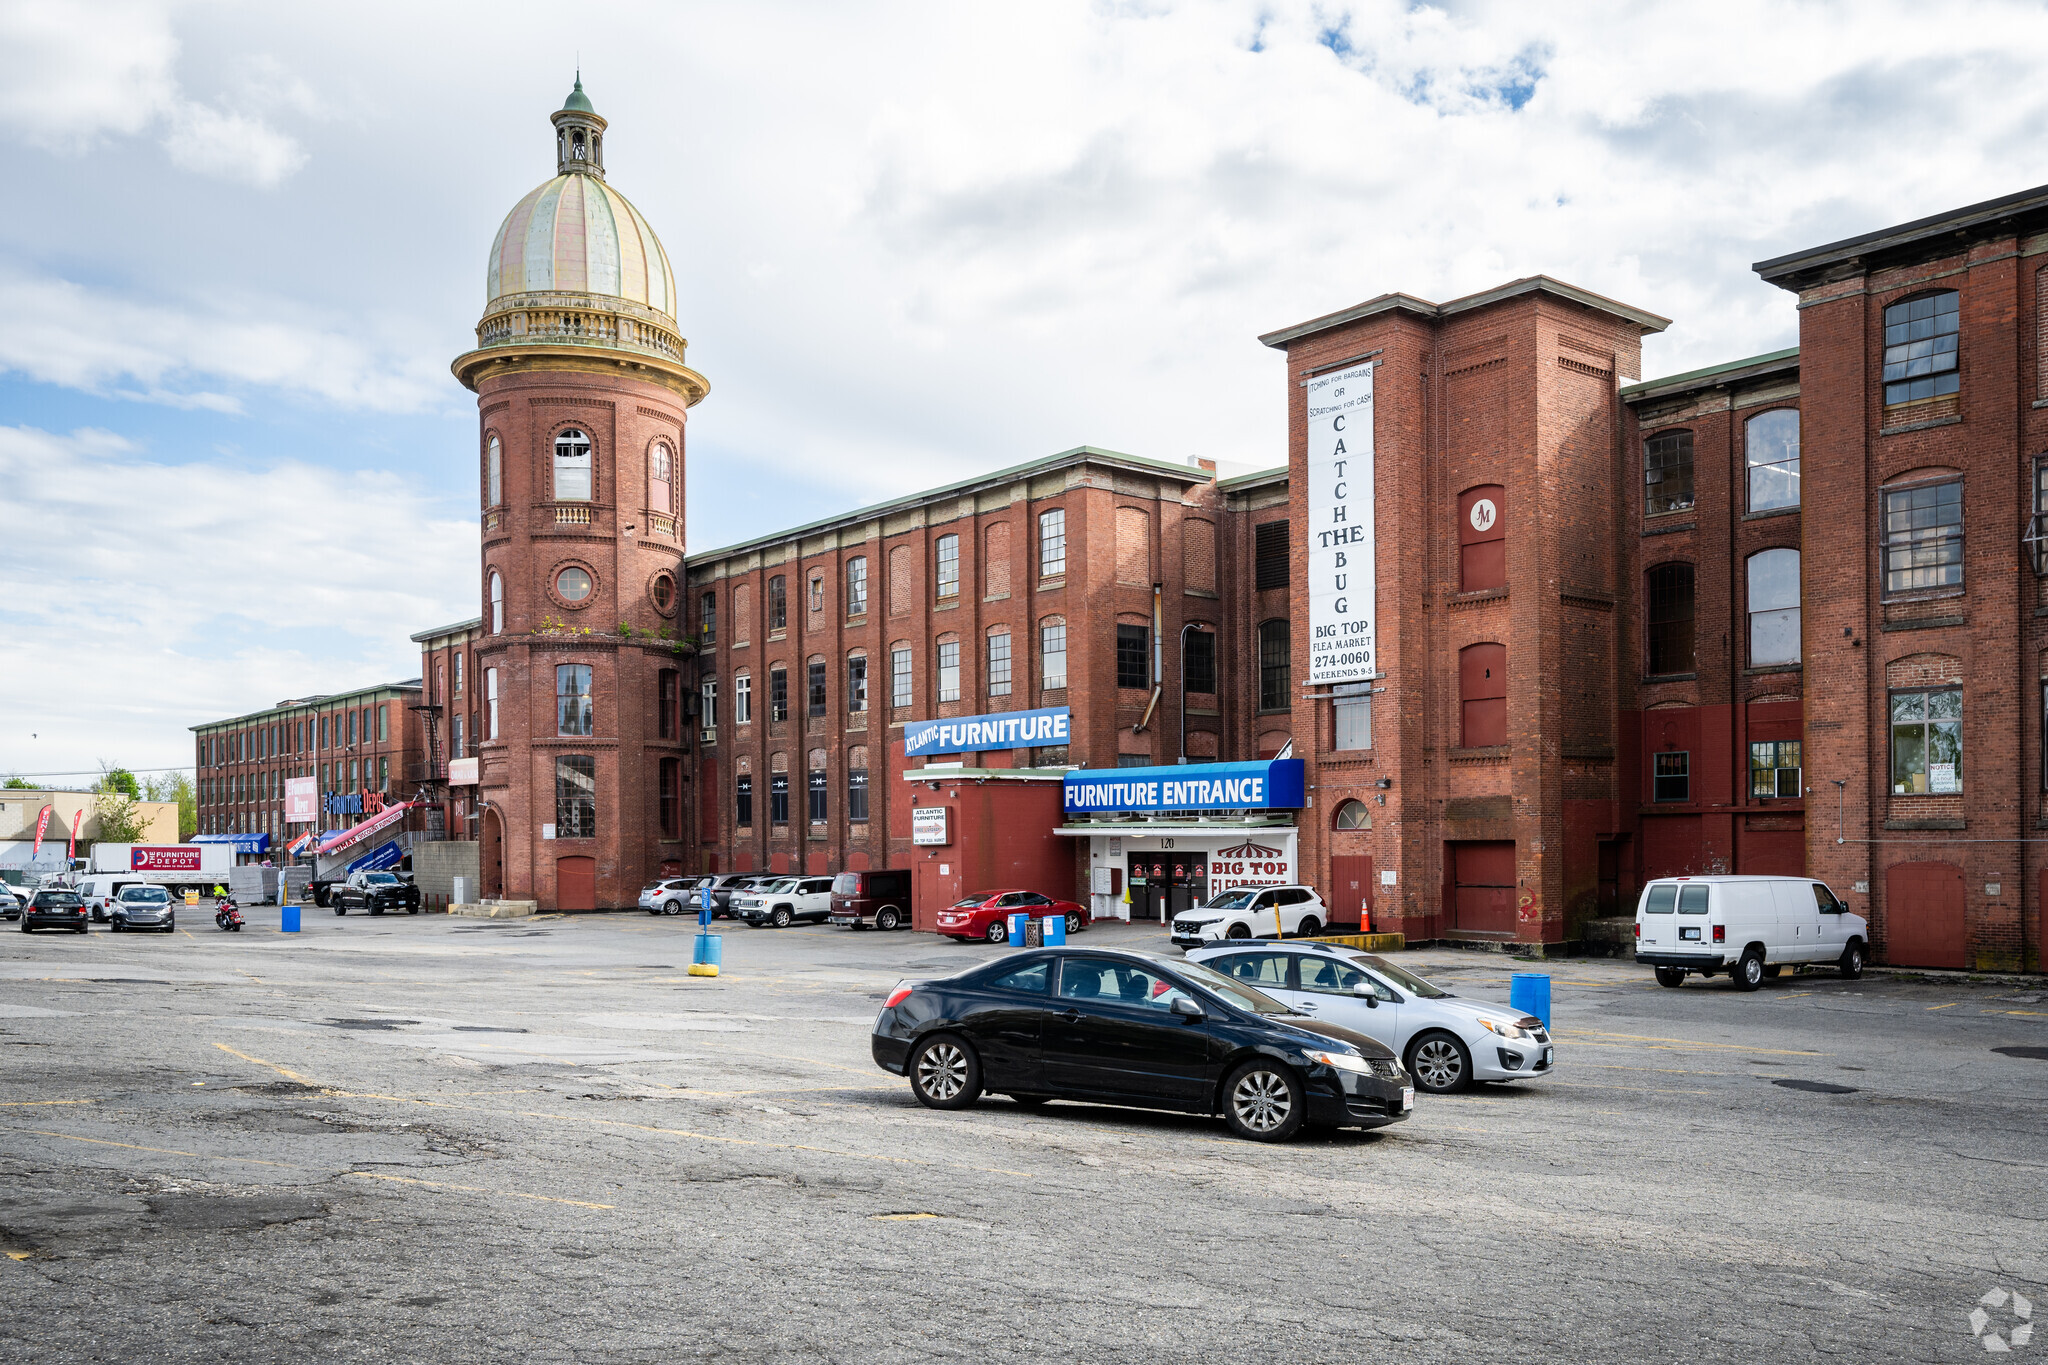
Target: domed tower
(582,398)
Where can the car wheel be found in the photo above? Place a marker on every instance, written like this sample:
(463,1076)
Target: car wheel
(945,1073)
(998,932)
(1440,1064)
(114,928)
(412,909)
(376,909)
(1852,960)
(780,919)
(1239,931)
(1264,1101)
(887,917)
(341,909)
(1310,926)
(1749,973)
(1771,971)
(672,907)
(80,930)
(1074,923)
(1671,976)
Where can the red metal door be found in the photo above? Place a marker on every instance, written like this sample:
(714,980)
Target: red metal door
(928,896)
(1350,898)
(576,883)
(1923,916)
(1483,899)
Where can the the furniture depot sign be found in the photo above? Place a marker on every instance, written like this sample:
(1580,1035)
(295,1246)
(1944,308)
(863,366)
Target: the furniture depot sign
(174,858)
(1343,592)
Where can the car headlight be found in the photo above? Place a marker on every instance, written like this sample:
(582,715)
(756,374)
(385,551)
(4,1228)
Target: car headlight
(1343,1061)
(1504,1030)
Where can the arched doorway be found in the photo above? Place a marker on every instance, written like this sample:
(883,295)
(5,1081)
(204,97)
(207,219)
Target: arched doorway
(491,856)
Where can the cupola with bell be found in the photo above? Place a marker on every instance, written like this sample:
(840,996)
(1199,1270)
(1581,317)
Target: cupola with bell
(579,135)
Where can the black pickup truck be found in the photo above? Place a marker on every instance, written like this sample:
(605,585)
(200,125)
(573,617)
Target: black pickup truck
(375,892)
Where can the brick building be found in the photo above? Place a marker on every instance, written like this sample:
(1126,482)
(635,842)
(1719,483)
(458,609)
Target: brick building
(452,710)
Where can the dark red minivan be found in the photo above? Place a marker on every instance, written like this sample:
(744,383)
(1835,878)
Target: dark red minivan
(878,898)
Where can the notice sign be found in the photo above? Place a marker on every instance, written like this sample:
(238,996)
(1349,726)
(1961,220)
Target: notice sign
(1342,589)
(301,800)
(928,825)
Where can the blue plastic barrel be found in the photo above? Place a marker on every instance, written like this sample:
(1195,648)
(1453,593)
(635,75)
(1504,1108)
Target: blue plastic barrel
(710,950)
(1529,992)
(1017,923)
(291,919)
(1055,931)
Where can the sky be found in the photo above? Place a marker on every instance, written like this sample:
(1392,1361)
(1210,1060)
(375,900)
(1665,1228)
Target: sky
(912,242)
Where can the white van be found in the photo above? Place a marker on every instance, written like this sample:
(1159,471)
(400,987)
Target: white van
(1749,927)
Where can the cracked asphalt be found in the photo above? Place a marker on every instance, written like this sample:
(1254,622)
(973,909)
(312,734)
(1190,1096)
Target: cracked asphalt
(456,1140)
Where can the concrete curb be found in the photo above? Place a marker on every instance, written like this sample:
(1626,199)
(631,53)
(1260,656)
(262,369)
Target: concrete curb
(496,909)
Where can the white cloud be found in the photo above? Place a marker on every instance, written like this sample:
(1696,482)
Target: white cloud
(231,146)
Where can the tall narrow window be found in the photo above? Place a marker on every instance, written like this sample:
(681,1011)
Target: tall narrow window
(575,797)
(490,703)
(899,675)
(778,694)
(1198,647)
(1667,473)
(383,723)
(660,480)
(817,592)
(999,662)
(742,699)
(708,690)
(1923,537)
(743,801)
(815,789)
(708,619)
(778,603)
(665,698)
(857,683)
(1773,608)
(1052,543)
(857,586)
(1669,619)
(497,604)
(1269,555)
(778,798)
(1770,447)
(1920,347)
(949,566)
(573,714)
(1351,709)
(1052,652)
(458,677)
(1927,742)
(572,467)
(949,670)
(1483,695)
(1275,665)
(1671,776)
(857,789)
(458,746)
(672,797)
(814,687)
(1133,656)
(494,474)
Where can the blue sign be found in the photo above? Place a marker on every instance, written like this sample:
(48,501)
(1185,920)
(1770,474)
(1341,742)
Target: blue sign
(243,843)
(380,859)
(1003,730)
(1273,784)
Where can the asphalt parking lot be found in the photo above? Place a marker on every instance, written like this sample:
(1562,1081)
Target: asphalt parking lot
(431,1138)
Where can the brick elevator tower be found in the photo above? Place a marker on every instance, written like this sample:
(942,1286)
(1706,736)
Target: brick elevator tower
(582,398)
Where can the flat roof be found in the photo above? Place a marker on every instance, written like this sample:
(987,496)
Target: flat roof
(1188,474)
(455,629)
(316,703)
(1797,269)
(1239,482)
(1756,366)
(1532,284)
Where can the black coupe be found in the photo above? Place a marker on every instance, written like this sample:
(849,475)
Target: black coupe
(1135,1029)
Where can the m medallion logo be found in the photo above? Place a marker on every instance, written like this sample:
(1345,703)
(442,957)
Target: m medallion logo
(2002,1320)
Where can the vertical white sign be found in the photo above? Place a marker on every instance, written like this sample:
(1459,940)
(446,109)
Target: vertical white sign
(1343,595)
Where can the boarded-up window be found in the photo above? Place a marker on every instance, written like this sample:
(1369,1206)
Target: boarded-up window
(1133,552)
(902,581)
(1269,555)
(1198,555)
(1482,538)
(1482,695)
(742,614)
(995,560)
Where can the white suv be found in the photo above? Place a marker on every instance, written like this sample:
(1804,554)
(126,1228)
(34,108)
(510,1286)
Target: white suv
(785,900)
(1252,912)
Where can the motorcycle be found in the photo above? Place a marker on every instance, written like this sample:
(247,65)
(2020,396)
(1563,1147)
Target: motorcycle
(227,915)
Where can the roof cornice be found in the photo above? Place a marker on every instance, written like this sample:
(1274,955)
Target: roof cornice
(1534,284)
(1802,269)
(1715,376)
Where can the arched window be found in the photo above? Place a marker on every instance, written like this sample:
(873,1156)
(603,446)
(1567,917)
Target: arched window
(572,466)
(1052,653)
(1482,695)
(998,674)
(1770,447)
(1482,538)
(1669,619)
(1353,815)
(857,586)
(660,476)
(1920,347)
(497,604)
(1773,607)
(494,474)
(1274,665)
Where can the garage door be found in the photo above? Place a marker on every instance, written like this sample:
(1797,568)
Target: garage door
(1923,915)
(1483,887)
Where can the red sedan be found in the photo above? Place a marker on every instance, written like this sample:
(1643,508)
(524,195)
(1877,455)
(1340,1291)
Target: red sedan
(986,914)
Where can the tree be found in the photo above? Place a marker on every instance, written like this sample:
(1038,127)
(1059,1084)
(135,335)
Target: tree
(177,787)
(113,807)
(119,780)
(20,784)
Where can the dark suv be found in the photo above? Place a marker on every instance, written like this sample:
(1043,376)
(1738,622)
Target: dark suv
(376,892)
(879,898)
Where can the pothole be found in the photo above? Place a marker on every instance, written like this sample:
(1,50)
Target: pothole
(2035,1054)
(233,1213)
(1814,1087)
(485,1028)
(368,1023)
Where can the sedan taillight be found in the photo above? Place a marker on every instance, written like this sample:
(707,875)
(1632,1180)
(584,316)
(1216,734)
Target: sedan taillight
(896,997)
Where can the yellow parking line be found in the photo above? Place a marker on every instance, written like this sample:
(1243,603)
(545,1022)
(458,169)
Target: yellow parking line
(1949,1006)
(258,1061)
(20,1104)
(160,1151)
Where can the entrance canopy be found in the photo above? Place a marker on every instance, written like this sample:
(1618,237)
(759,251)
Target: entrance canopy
(243,843)
(1271,784)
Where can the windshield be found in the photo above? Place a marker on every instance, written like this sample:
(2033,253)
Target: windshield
(1239,899)
(972,901)
(777,887)
(1406,980)
(1233,992)
(146,893)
